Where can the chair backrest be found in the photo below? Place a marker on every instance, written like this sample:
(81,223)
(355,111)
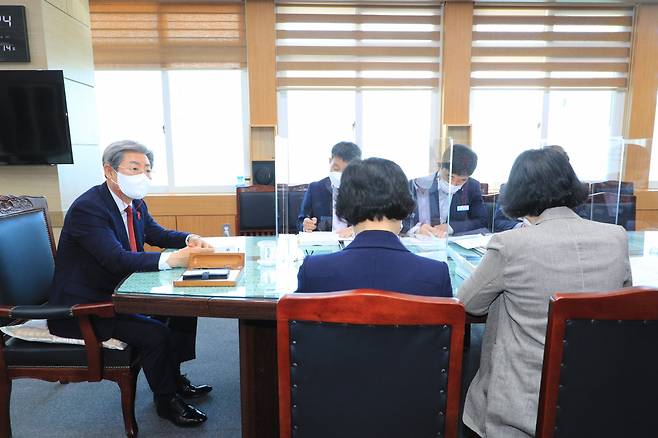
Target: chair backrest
(369,363)
(484,188)
(294,195)
(256,211)
(607,207)
(600,372)
(613,186)
(489,201)
(27,250)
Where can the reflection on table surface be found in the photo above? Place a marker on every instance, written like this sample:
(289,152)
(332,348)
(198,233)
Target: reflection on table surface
(272,281)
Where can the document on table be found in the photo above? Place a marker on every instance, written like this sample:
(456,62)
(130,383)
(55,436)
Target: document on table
(644,271)
(472,241)
(321,238)
(425,242)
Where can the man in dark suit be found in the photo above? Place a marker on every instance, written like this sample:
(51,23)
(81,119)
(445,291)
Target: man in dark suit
(102,242)
(317,210)
(448,201)
(374,198)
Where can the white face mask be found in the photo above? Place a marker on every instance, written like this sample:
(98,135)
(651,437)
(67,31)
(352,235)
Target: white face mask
(335,178)
(134,186)
(448,188)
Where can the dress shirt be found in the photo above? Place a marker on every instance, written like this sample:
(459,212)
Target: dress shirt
(336,223)
(164,257)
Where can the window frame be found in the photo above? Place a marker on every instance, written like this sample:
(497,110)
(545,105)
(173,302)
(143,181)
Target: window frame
(171,186)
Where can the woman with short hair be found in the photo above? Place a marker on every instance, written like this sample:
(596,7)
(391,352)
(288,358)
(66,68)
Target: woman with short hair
(374,198)
(522,268)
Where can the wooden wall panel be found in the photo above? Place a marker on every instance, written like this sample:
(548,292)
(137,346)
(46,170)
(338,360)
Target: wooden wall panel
(262,143)
(641,101)
(168,222)
(191,205)
(646,220)
(456,62)
(210,226)
(261,61)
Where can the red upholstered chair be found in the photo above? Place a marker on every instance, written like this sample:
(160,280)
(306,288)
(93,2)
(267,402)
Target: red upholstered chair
(600,371)
(26,270)
(369,363)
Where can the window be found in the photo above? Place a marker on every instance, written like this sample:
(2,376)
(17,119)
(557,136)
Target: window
(587,123)
(193,120)
(366,73)
(393,124)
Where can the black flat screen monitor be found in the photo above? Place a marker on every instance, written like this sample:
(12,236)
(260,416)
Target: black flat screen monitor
(34,123)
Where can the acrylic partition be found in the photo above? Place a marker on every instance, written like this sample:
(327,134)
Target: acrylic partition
(298,165)
(613,170)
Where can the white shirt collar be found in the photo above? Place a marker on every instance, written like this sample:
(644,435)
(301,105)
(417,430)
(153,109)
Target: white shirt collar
(120,204)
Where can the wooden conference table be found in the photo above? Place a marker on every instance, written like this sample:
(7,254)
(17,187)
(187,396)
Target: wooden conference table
(253,302)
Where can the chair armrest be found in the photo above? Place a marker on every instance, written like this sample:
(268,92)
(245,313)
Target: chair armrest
(36,312)
(102,310)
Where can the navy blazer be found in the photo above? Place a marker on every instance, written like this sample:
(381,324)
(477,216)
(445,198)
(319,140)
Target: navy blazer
(375,260)
(93,254)
(317,203)
(467,210)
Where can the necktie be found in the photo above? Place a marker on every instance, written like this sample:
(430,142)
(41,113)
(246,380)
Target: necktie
(131,229)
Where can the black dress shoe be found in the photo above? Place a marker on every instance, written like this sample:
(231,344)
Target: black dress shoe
(180,413)
(187,390)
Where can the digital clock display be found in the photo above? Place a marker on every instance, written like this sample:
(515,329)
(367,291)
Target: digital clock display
(13,35)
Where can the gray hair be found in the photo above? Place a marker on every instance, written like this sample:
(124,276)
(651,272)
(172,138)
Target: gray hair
(113,154)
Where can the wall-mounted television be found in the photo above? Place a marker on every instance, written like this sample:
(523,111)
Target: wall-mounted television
(34,122)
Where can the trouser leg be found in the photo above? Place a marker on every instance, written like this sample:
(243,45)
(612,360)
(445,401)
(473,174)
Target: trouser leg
(154,344)
(183,336)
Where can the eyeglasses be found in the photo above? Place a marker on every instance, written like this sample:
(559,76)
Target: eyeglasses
(134,170)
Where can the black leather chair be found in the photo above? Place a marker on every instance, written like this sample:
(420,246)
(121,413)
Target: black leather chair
(600,371)
(256,210)
(369,363)
(613,202)
(489,201)
(291,197)
(26,272)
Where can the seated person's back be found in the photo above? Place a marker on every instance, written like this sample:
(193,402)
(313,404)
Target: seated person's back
(374,198)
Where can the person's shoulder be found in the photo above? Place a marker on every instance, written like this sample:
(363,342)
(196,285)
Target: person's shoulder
(604,229)
(318,184)
(92,197)
(426,265)
(317,264)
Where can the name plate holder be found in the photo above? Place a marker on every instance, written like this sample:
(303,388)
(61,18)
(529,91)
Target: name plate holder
(231,260)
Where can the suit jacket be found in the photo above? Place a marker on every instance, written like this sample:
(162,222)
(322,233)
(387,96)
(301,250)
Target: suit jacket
(521,269)
(375,260)
(467,211)
(317,203)
(93,254)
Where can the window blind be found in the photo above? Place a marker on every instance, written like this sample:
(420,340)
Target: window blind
(551,47)
(358,46)
(152,34)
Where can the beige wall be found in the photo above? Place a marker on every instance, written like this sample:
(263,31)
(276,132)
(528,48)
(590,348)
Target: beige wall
(60,39)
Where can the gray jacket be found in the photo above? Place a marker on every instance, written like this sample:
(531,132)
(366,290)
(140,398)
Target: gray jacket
(521,269)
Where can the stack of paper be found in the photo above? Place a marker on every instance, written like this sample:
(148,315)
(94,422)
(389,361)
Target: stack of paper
(472,241)
(318,238)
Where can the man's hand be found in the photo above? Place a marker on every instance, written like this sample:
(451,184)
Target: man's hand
(346,232)
(441,230)
(181,258)
(310,224)
(428,230)
(196,241)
